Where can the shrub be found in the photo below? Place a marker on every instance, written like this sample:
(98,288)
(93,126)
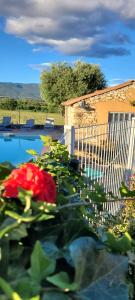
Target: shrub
(53,251)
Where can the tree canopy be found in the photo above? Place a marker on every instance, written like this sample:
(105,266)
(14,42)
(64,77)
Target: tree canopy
(62,82)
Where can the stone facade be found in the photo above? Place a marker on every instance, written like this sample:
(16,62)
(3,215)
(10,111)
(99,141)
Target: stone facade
(95,108)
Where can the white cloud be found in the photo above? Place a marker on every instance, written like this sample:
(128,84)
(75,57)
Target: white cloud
(71,46)
(74,27)
(38,49)
(29,25)
(40,67)
(74,46)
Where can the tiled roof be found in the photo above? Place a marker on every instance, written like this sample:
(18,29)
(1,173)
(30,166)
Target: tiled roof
(98,92)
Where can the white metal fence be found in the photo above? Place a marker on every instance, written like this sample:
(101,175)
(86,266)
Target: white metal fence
(106,152)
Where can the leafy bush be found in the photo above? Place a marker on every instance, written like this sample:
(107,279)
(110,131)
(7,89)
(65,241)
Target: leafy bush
(124,220)
(23,104)
(54,251)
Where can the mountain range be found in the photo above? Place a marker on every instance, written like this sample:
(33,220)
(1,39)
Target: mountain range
(19,90)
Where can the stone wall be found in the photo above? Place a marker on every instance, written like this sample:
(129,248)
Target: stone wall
(97,108)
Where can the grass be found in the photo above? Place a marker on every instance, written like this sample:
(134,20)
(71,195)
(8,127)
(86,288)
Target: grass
(39,117)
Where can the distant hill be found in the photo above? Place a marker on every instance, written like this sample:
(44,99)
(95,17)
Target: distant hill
(22,90)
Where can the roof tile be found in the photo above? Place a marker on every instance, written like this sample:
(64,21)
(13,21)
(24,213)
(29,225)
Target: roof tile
(98,92)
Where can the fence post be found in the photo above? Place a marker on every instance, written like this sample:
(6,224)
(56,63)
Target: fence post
(69,132)
(130,160)
(131,145)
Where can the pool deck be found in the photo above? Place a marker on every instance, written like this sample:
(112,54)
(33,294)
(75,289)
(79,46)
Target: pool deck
(55,132)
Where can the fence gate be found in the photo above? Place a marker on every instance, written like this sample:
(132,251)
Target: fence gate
(106,152)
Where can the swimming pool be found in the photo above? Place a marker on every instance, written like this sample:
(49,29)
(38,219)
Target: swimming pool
(13,147)
(93,173)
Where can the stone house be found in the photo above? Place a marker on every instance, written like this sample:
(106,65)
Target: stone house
(102,106)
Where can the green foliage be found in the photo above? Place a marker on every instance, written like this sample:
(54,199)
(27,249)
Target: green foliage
(125,219)
(89,272)
(125,192)
(56,252)
(121,244)
(57,84)
(100,274)
(97,195)
(23,104)
(47,140)
(89,78)
(62,167)
(8,103)
(41,265)
(5,169)
(63,82)
(62,281)
(11,294)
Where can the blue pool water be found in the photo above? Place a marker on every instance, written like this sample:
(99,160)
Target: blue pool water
(13,148)
(92,173)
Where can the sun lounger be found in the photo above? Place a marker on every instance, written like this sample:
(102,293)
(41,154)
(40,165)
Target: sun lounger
(29,124)
(49,123)
(6,122)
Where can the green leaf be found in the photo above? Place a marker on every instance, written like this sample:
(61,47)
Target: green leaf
(125,192)
(11,294)
(69,187)
(21,218)
(99,274)
(5,169)
(83,254)
(47,140)
(32,152)
(62,281)
(26,288)
(41,265)
(44,217)
(16,270)
(3,297)
(97,196)
(122,244)
(18,233)
(25,197)
(8,229)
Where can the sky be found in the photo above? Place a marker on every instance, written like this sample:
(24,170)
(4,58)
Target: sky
(36,33)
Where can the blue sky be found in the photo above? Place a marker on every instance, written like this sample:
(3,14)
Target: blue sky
(36,33)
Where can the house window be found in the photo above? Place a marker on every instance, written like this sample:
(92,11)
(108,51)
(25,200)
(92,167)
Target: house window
(126,117)
(119,116)
(122,117)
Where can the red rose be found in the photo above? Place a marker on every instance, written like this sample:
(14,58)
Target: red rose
(31,177)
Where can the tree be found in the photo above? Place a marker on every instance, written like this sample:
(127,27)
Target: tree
(89,78)
(63,82)
(8,103)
